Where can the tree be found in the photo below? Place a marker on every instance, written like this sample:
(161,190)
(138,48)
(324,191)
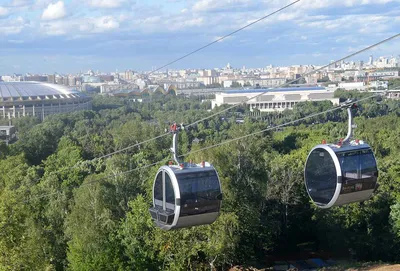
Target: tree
(91,230)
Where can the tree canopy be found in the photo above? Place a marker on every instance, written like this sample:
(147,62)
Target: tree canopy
(58,212)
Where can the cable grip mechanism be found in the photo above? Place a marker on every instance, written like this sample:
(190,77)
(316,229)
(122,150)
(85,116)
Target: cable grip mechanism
(174,129)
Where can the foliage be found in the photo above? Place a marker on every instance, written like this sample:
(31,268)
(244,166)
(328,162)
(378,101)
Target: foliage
(58,212)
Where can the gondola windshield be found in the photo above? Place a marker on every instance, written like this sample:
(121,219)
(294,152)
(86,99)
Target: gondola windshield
(199,192)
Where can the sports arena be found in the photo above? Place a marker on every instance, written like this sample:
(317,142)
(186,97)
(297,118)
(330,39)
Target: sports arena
(19,99)
(273,100)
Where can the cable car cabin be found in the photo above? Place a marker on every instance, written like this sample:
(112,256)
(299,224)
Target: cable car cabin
(186,196)
(337,175)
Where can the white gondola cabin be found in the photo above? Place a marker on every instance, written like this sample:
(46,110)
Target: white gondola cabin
(338,174)
(186,194)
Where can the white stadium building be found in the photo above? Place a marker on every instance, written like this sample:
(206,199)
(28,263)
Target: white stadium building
(274,100)
(18,99)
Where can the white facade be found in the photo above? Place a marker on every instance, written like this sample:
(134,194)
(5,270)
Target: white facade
(379,84)
(275,100)
(352,86)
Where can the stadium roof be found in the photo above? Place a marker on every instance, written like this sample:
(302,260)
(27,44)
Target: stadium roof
(274,90)
(34,89)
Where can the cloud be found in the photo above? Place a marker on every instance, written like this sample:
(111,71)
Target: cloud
(16,41)
(80,26)
(321,4)
(106,3)
(54,11)
(222,5)
(271,40)
(310,27)
(4,11)
(13,26)
(20,3)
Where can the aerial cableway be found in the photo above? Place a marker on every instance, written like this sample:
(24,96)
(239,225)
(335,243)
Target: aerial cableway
(185,194)
(341,173)
(188,194)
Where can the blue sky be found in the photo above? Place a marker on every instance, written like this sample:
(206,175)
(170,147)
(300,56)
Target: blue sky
(66,36)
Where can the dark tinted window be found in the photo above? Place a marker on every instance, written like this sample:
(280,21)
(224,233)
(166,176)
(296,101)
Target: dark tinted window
(321,177)
(359,167)
(158,192)
(368,164)
(199,191)
(169,190)
(350,164)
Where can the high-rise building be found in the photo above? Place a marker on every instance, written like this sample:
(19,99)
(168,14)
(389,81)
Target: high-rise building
(51,78)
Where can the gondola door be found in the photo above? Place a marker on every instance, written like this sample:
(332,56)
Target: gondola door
(164,198)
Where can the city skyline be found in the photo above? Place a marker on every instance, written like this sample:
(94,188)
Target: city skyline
(67,36)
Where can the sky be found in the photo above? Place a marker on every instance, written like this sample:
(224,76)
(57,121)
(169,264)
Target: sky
(69,36)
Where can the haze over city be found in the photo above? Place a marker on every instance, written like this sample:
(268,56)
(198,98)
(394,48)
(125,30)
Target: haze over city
(68,36)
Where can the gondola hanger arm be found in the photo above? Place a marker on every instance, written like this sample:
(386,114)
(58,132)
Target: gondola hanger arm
(174,129)
(349,105)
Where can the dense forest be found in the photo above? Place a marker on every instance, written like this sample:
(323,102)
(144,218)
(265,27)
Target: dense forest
(60,212)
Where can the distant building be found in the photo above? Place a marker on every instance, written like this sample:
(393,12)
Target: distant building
(91,79)
(19,99)
(267,82)
(7,133)
(51,79)
(107,78)
(166,84)
(71,81)
(379,85)
(393,94)
(377,75)
(352,86)
(384,74)
(36,78)
(12,78)
(275,99)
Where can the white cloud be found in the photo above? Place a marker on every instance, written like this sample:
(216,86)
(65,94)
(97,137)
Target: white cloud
(105,23)
(14,26)
(319,4)
(215,5)
(81,26)
(152,20)
(271,40)
(4,11)
(54,11)
(20,3)
(16,41)
(106,3)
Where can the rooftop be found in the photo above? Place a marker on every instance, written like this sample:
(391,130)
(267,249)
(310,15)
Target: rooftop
(29,89)
(274,90)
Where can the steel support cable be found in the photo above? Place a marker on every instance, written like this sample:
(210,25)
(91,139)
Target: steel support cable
(109,176)
(226,36)
(277,126)
(295,80)
(253,97)
(185,56)
(231,107)
(213,146)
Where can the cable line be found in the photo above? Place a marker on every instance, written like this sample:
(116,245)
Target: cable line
(227,35)
(236,105)
(248,99)
(211,146)
(277,126)
(182,57)
(295,80)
